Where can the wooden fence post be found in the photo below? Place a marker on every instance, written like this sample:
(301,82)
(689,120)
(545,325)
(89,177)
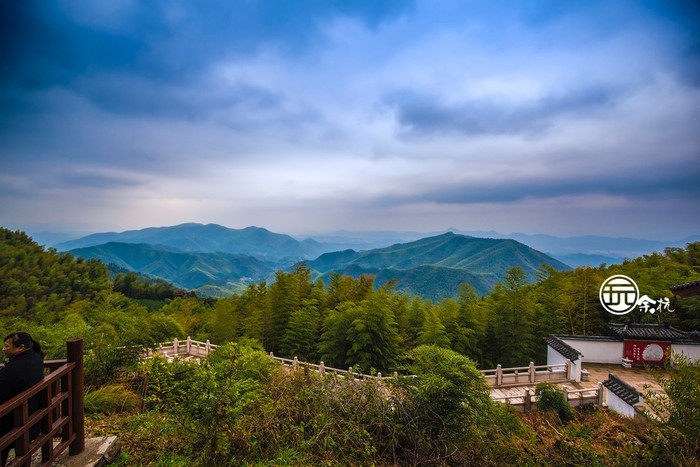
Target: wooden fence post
(74,351)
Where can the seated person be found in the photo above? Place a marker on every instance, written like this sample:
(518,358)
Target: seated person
(24,369)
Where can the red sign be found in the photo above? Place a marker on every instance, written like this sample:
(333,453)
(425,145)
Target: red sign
(649,352)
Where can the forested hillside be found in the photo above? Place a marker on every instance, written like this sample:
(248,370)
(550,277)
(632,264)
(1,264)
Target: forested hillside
(342,320)
(434,267)
(184,269)
(237,408)
(431,268)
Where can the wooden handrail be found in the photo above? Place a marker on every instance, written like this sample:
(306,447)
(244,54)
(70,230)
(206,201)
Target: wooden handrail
(60,412)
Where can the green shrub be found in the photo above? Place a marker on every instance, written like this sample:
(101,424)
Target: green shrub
(110,399)
(550,397)
(678,408)
(209,399)
(449,388)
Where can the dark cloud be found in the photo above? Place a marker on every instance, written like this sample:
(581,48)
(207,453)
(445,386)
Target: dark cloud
(673,185)
(420,114)
(162,50)
(169,102)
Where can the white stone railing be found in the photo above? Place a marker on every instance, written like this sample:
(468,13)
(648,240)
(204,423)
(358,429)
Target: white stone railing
(323,370)
(498,377)
(186,348)
(575,397)
(527,375)
(196,349)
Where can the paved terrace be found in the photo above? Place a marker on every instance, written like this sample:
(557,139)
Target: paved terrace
(636,377)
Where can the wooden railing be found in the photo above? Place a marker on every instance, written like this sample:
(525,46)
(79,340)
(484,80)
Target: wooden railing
(60,413)
(527,375)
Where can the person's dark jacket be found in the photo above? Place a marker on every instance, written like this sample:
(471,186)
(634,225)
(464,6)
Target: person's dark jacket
(20,373)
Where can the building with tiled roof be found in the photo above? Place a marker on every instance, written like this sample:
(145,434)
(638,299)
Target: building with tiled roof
(689,289)
(562,347)
(663,332)
(631,344)
(620,396)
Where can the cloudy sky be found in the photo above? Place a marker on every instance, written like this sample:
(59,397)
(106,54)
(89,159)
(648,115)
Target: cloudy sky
(554,117)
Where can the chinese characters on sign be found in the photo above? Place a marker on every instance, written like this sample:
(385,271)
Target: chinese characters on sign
(619,295)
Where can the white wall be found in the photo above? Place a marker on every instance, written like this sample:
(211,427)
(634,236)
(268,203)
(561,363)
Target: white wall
(555,358)
(597,351)
(692,351)
(618,405)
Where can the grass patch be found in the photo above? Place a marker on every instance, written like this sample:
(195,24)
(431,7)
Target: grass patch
(110,399)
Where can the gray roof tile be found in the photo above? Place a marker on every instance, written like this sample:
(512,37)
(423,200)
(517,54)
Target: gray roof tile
(648,331)
(622,390)
(562,347)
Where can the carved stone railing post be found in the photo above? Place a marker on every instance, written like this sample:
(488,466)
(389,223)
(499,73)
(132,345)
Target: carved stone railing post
(499,375)
(175,345)
(322,369)
(531,373)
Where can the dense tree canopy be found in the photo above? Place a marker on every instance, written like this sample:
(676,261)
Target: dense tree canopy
(347,322)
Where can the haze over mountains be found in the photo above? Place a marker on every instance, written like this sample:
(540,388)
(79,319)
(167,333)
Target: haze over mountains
(215,260)
(573,251)
(208,238)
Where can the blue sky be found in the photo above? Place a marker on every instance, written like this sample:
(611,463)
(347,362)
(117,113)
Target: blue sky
(554,117)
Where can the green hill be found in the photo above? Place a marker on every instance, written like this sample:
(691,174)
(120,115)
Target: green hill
(188,270)
(427,281)
(253,241)
(31,278)
(434,267)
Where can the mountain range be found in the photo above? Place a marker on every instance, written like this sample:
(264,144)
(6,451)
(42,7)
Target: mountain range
(216,261)
(254,241)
